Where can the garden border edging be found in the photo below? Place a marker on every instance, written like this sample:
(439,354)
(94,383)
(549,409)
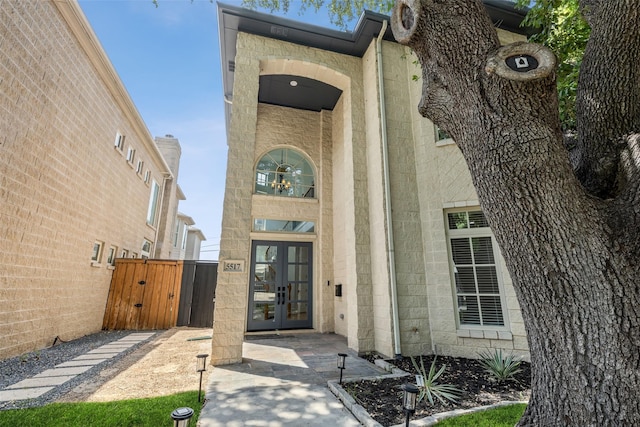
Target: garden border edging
(363,416)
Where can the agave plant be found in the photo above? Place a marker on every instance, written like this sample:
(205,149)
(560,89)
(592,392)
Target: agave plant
(499,367)
(428,385)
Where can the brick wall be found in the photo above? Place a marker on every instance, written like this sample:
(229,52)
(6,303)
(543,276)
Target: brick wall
(63,184)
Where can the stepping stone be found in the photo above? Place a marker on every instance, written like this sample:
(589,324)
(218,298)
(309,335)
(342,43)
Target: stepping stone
(105,351)
(82,362)
(120,347)
(23,394)
(59,372)
(97,356)
(41,382)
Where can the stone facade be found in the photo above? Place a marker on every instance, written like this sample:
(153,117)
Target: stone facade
(355,242)
(66,182)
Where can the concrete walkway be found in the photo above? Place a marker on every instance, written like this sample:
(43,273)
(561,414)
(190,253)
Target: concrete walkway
(283,382)
(45,381)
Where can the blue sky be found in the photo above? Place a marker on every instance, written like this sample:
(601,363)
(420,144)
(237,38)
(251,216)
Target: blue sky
(168,58)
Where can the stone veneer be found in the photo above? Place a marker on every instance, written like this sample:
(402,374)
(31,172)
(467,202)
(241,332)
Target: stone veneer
(350,244)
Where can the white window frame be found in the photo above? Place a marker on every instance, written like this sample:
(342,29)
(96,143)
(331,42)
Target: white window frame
(97,252)
(154,200)
(118,144)
(124,253)
(472,233)
(111,257)
(146,249)
(185,232)
(176,233)
(147,176)
(131,155)
(139,167)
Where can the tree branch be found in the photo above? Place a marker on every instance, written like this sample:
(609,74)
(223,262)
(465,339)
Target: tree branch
(608,101)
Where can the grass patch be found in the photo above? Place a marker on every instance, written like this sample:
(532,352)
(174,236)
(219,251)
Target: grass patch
(152,412)
(504,416)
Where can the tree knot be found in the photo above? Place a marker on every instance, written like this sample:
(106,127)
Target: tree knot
(521,62)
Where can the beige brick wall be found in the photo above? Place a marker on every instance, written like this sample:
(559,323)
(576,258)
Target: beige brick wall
(351,246)
(405,188)
(446,183)
(328,139)
(381,312)
(63,185)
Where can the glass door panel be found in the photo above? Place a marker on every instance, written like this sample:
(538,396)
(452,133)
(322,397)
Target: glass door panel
(281,287)
(263,288)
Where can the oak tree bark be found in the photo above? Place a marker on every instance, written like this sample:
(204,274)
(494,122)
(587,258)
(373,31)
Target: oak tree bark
(568,229)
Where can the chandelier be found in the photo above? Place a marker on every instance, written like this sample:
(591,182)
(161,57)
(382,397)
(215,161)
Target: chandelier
(280,184)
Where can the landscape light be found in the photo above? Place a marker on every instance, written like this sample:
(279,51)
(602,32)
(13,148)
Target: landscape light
(181,417)
(341,363)
(409,400)
(201,366)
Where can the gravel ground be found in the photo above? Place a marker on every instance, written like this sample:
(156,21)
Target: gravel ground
(27,365)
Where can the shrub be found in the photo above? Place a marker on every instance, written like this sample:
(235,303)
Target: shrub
(499,367)
(429,387)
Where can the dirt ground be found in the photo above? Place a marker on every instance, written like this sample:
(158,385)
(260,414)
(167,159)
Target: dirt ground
(165,365)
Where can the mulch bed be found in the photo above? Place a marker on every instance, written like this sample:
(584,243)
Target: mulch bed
(382,399)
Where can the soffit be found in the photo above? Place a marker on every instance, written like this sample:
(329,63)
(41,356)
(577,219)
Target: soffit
(233,19)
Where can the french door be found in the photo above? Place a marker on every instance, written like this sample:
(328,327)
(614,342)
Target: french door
(280,288)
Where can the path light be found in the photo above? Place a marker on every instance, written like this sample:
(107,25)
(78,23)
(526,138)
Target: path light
(201,367)
(341,359)
(409,400)
(181,417)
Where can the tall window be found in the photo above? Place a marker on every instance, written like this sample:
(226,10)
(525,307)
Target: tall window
(96,255)
(476,278)
(131,155)
(119,142)
(145,251)
(111,258)
(285,172)
(153,203)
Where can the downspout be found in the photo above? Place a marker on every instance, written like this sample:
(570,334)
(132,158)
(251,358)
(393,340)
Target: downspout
(387,198)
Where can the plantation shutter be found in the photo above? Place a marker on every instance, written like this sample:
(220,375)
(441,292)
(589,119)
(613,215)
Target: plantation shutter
(474,268)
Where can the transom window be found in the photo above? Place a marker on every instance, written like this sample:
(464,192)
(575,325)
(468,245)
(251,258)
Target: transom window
(477,282)
(275,225)
(285,172)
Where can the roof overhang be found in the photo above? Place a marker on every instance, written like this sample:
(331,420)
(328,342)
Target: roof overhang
(234,19)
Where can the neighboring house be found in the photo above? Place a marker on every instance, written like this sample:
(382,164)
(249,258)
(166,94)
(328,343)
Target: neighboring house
(180,234)
(345,211)
(195,237)
(172,194)
(82,181)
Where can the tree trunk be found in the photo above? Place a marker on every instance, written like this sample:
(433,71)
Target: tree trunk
(572,254)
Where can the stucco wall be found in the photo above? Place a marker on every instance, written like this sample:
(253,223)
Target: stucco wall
(63,184)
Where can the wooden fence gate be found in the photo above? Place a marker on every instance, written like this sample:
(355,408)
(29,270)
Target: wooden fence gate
(144,294)
(197,295)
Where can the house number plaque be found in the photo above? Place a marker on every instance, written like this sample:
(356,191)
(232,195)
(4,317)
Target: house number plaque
(233,266)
